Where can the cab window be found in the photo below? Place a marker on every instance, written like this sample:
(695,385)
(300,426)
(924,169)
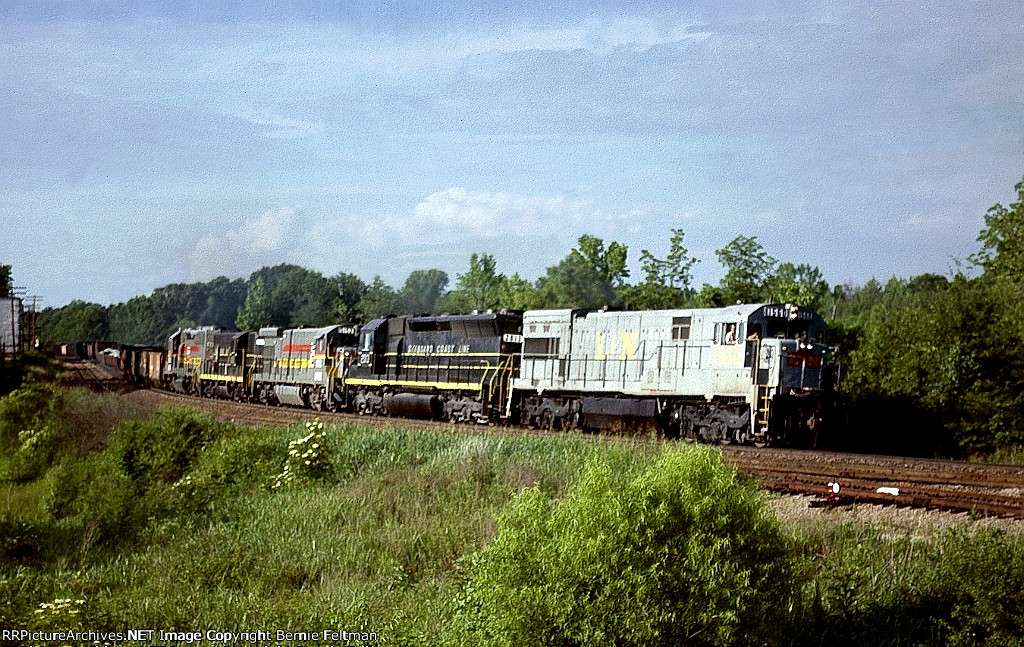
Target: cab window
(681,328)
(729,333)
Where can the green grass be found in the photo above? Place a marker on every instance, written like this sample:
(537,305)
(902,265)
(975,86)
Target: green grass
(191,533)
(374,546)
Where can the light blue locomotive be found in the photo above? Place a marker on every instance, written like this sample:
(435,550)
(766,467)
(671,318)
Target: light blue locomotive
(746,373)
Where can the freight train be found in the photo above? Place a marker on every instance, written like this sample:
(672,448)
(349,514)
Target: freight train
(749,374)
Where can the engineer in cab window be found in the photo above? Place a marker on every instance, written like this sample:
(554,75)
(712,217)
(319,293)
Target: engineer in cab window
(730,334)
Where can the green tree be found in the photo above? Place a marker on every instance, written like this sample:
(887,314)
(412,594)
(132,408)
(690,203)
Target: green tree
(6,282)
(422,291)
(947,356)
(799,284)
(141,320)
(683,554)
(77,321)
(255,312)
(516,293)
(609,264)
(586,278)
(351,289)
(379,300)
(666,282)
(272,276)
(854,301)
(480,288)
(299,297)
(573,283)
(1002,240)
(748,267)
(214,303)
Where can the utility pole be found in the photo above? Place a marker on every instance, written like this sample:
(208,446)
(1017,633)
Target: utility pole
(17,315)
(33,313)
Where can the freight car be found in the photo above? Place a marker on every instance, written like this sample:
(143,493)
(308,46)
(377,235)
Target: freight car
(744,374)
(141,365)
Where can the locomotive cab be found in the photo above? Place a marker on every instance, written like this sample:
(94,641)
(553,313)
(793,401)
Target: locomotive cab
(786,368)
(789,354)
(372,344)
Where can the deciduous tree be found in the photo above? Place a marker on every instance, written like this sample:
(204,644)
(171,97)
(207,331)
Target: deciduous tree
(1002,240)
(422,291)
(255,312)
(379,300)
(666,282)
(479,288)
(747,270)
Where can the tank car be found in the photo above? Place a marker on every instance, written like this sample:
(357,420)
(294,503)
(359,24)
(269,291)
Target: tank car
(455,367)
(745,373)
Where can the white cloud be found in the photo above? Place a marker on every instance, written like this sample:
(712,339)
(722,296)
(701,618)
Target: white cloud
(278,127)
(237,252)
(456,213)
(454,218)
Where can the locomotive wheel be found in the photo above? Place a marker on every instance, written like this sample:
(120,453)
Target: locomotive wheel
(316,400)
(686,431)
(547,419)
(715,432)
(728,436)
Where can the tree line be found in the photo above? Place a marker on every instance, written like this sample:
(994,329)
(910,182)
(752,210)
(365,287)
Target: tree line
(926,364)
(592,275)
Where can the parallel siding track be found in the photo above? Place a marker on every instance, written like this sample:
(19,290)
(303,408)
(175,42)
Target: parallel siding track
(915,482)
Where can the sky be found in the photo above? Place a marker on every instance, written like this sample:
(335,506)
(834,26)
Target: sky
(145,143)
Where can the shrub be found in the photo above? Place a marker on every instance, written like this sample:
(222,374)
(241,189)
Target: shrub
(40,423)
(32,428)
(93,492)
(161,450)
(249,458)
(37,447)
(683,554)
(983,582)
(20,540)
(865,586)
(33,405)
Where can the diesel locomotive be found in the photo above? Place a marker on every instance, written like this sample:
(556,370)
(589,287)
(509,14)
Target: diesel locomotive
(743,374)
(747,374)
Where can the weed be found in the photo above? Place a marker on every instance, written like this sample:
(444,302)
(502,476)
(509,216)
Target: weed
(309,459)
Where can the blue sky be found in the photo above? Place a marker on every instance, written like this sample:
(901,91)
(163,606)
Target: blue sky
(146,143)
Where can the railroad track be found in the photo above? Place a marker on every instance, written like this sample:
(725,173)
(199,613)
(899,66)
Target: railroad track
(94,376)
(986,489)
(959,486)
